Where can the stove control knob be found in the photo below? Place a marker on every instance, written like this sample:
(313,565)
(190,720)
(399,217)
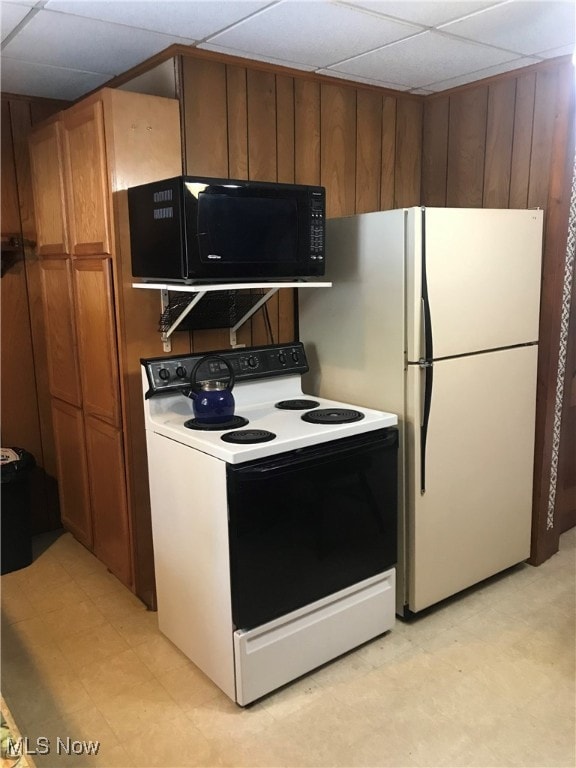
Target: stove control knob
(295,356)
(252,361)
(164,374)
(181,372)
(282,358)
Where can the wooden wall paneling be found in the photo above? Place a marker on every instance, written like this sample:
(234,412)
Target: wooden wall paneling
(44,489)
(204,117)
(97,353)
(20,425)
(499,139)
(388,153)
(546,527)
(435,151)
(286,131)
(262,140)
(237,94)
(85,166)
(407,182)
(307,132)
(262,165)
(338,142)
(9,199)
(286,315)
(368,151)
(42,109)
(20,418)
(467,146)
(522,141)
(237,122)
(566,490)
(285,128)
(546,106)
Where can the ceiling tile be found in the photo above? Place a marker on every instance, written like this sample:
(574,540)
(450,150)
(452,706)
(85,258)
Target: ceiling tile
(358,79)
(314,33)
(426,58)
(429,13)
(524,27)
(194,19)
(28,79)
(480,74)
(255,56)
(62,40)
(12,15)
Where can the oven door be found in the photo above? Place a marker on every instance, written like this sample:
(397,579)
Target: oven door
(305,524)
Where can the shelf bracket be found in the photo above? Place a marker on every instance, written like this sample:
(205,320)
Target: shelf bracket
(248,315)
(164,300)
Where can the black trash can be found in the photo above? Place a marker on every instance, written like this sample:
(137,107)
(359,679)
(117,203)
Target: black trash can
(16,465)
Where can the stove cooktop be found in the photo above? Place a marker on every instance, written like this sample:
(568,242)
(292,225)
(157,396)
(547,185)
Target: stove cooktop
(265,378)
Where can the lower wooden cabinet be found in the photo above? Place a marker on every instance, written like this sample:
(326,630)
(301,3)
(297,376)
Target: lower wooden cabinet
(73,485)
(110,521)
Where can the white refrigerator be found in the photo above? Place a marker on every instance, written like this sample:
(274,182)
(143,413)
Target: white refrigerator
(433,315)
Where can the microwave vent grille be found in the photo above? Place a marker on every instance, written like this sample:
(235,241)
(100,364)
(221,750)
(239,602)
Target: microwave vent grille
(218,309)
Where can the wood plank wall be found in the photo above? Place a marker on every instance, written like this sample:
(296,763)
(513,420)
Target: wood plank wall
(26,414)
(509,143)
(364,145)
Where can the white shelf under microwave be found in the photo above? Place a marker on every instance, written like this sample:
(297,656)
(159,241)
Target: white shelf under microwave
(200,290)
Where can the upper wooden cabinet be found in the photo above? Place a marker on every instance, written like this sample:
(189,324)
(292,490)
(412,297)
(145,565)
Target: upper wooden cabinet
(97,353)
(48,186)
(87,180)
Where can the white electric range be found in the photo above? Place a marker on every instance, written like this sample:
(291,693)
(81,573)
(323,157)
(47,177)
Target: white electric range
(274,553)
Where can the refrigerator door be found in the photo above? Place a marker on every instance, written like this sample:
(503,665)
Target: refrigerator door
(479,273)
(473,519)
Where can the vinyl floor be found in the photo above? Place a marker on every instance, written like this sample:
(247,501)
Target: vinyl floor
(485,679)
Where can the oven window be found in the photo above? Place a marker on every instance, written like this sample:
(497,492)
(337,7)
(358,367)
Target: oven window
(306,524)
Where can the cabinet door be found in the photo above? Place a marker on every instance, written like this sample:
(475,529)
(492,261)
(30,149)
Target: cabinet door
(48,187)
(97,338)
(112,544)
(73,483)
(86,180)
(57,291)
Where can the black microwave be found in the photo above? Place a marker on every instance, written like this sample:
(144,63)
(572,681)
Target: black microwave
(193,228)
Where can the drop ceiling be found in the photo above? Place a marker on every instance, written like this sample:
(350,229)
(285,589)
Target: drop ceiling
(65,48)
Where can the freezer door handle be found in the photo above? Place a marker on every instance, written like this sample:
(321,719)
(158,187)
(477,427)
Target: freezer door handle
(427,369)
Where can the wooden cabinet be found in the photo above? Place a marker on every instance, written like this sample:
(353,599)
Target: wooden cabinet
(83,161)
(97,353)
(49,204)
(73,485)
(58,297)
(85,165)
(105,454)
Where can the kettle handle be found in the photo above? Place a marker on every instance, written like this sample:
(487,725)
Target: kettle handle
(194,384)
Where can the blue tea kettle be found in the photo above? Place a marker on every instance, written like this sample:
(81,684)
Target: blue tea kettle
(212,399)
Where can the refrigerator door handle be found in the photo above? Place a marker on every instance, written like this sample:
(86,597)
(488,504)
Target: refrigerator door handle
(426,366)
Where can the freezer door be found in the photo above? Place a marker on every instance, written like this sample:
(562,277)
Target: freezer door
(480,273)
(473,519)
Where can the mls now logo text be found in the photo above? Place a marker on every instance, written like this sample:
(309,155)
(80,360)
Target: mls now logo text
(44,746)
